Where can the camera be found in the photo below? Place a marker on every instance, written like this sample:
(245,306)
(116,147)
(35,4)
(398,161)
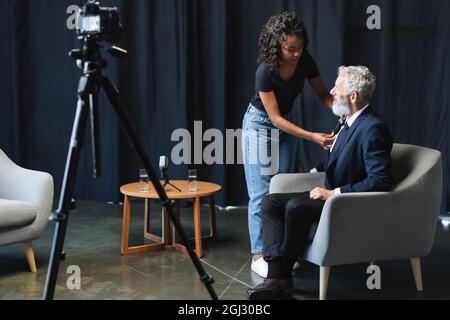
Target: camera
(99,23)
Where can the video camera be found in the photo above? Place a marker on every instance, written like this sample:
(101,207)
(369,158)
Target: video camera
(99,23)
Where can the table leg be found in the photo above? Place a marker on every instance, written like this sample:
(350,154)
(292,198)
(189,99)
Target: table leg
(124,247)
(176,239)
(125,225)
(165,227)
(147,209)
(197,227)
(175,235)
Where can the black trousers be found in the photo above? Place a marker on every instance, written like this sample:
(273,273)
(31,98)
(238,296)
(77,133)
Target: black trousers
(286,223)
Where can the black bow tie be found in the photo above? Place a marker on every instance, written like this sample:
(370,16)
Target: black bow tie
(340,138)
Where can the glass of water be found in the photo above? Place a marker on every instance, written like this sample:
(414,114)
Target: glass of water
(143,180)
(192,180)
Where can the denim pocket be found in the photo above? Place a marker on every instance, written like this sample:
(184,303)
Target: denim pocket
(253,114)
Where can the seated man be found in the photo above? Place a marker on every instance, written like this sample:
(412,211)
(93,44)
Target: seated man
(358,161)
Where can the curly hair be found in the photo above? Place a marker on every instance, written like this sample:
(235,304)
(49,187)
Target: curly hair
(274,32)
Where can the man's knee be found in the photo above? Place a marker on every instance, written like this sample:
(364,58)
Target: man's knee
(295,205)
(294,209)
(269,203)
(298,210)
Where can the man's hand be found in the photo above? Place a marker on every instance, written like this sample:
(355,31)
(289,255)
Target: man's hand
(320,193)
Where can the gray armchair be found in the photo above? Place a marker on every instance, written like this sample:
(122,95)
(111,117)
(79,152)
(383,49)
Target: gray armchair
(25,203)
(371,226)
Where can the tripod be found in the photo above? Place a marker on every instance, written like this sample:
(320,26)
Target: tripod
(90,84)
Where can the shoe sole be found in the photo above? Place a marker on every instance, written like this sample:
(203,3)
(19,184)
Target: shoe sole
(271,294)
(265,295)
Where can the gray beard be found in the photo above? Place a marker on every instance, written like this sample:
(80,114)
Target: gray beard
(340,109)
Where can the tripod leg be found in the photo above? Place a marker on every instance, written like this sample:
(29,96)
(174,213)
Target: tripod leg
(212,217)
(62,213)
(176,188)
(114,98)
(95,135)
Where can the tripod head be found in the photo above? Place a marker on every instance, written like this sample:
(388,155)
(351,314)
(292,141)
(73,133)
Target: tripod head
(89,58)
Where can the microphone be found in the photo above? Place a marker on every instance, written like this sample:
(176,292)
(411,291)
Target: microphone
(163,166)
(163,162)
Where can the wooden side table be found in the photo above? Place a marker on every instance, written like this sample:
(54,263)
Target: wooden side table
(169,237)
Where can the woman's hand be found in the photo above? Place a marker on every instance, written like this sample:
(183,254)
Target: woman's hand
(323,139)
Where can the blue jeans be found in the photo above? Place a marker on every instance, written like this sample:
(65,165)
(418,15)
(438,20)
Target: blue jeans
(266,151)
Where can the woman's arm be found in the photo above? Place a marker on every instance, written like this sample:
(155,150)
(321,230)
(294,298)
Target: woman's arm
(322,92)
(270,103)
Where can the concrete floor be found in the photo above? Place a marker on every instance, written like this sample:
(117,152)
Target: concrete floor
(93,244)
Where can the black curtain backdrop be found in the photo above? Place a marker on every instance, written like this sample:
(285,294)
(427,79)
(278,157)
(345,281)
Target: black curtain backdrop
(195,61)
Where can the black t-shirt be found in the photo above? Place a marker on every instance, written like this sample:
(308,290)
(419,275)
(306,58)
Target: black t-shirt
(285,91)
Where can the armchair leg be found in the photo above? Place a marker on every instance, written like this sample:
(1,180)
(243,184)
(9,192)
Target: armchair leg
(415,265)
(324,275)
(30,256)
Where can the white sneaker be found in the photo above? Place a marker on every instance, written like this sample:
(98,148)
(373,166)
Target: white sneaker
(260,267)
(297,266)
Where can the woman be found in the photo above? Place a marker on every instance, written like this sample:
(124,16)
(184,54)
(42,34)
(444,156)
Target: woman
(284,64)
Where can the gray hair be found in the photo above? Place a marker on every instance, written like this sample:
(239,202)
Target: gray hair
(358,79)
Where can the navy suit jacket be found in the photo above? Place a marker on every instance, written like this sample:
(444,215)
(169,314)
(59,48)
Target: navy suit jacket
(362,162)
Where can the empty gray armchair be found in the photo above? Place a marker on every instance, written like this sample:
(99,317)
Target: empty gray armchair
(25,203)
(371,226)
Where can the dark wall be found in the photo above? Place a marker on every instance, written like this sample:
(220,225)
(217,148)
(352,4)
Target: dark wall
(195,60)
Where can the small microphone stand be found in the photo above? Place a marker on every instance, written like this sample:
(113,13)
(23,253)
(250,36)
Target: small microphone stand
(165,177)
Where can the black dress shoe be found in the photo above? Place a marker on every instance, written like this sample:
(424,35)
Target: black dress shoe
(270,289)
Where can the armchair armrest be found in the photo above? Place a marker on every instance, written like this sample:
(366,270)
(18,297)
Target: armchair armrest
(296,182)
(33,187)
(362,227)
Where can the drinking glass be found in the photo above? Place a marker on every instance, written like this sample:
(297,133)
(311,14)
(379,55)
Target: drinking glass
(143,180)
(192,180)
